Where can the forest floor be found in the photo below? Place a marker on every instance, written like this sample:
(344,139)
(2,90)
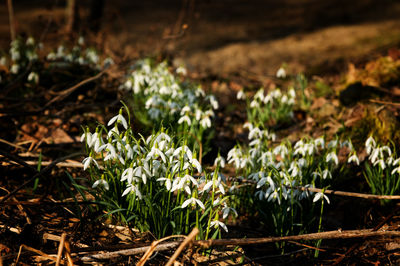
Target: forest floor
(226,46)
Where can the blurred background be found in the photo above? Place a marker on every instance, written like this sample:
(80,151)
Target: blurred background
(218,38)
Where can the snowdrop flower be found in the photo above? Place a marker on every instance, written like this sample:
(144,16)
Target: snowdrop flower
(111,152)
(396,170)
(186,119)
(181,70)
(205,122)
(101,182)
(354,159)
(218,183)
(14,69)
(292,93)
(321,196)
(193,202)
(86,162)
(332,157)
(273,196)
(326,173)
(117,119)
(30,41)
(33,77)
(320,142)
(260,194)
(217,224)
(154,153)
(281,73)
(370,144)
(241,95)
(127,175)
(254,104)
(381,163)
(81,41)
(167,183)
(255,133)
(333,144)
(3,61)
(284,99)
(132,189)
(219,161)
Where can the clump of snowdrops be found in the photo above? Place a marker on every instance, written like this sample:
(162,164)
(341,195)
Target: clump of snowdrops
(155,183)
(164,99)
(80,54)
(274,174)
(382,169)
(24,59)
(273,108)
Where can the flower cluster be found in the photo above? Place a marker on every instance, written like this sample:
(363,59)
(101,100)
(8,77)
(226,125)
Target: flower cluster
(382,169)
(271,109)
(278,173)
(78,55)
(164,99)
(157,183)
(23,56)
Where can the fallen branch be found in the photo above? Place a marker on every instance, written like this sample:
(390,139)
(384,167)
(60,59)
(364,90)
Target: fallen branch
(249,241)
(68,91)
(350,194)
(185,242)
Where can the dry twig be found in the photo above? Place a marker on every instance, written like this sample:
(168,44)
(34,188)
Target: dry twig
(60,248)
(185,242)
(249,241)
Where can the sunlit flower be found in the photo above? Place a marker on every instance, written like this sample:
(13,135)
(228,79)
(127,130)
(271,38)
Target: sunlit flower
(281,73)
(117,119)
(101,182)
(217,224)
(321,196)
(193,202)
(86,162)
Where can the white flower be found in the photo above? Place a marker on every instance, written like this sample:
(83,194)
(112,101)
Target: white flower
(321,196)
(156,152)
(193,202)
(186,119)
(220,161)
(332,157)
(181,70)
(195,163)
(217,224)
(241,95)
(281,73)
(81,41)
(116,119)
(255,133)
(132,188)
(213,101)
(205,122)
(86,162)
(320,141)
(33,77)
(396,170)
(127,175)
(381,163)
(101,182)
(326,173)
(168,183)
(370,144)
(354,158)
(14,68)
